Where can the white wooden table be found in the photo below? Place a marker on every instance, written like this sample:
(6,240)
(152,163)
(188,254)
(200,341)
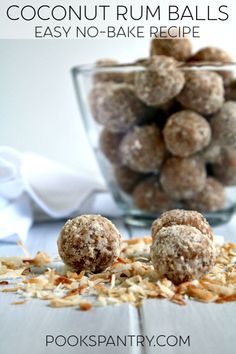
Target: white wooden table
(23,329)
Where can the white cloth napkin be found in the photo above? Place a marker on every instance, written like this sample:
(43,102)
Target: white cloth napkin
(32,185)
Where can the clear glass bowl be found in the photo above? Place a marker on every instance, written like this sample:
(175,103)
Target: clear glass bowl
(85,78)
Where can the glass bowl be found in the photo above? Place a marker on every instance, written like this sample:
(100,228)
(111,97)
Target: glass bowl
(93,83)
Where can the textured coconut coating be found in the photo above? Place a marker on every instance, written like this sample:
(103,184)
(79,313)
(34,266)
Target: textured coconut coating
(109,144)
(182,253)
(149,196)
(143,149)
(181,178)
(115,76)
(89,242)
(225,168)
(182,217)
(126,178)
(211,198)
(116,107)
(223,125)
(203,92)
(160,82)
(186,133)
(230,91)
(178,48)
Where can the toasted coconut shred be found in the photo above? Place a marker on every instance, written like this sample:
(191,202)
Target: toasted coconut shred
(131,279)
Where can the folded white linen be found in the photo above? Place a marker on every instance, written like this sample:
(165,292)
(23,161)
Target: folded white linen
(30,182)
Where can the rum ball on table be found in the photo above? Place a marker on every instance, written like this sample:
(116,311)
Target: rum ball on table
(182,249)
(89,242)
(143,149)
(160,82)
(182,253)
(203,92)
(186,133)
(149,196)
(116,106)
(182,217)
(182,178)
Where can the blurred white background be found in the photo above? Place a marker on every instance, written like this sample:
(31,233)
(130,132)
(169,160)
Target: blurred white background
(38,108)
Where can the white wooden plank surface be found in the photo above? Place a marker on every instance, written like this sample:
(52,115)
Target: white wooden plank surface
(23,328)
(211,327)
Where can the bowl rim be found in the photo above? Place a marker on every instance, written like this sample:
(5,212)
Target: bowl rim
(140,65)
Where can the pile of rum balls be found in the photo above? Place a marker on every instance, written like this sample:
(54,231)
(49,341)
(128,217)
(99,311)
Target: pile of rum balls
(169,130)
(182,245)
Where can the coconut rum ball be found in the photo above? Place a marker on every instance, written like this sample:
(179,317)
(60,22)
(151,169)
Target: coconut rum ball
(89,242)
(225,168)
(223,125)
(160,82)
(109,74)
(186,133)
(178,48)
(116,107)
(96,97)
(213,54)
(149,196)
(211,198)
(126,178)
(203,92)
(143,149)
(181,178)
(182,217)
(182,253)
(109,144)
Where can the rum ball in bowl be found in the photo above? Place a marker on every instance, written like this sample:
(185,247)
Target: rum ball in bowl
(143,149)
(182,178)
(160,82)
(116,106)
(203,92)
(178,48)
(186,133)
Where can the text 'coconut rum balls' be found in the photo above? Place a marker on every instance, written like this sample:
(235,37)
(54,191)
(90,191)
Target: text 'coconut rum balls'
(89,242)
(182,247)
